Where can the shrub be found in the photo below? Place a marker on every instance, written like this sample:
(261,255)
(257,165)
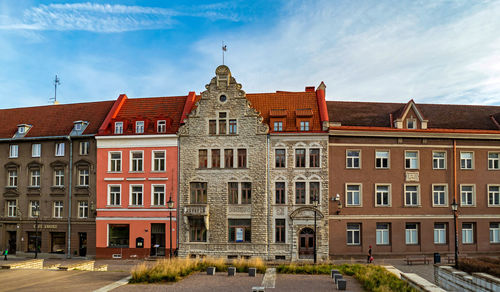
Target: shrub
(480,265)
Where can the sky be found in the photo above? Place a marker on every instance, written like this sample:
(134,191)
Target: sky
(386,51)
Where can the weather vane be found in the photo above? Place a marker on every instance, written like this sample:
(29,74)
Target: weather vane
(56,82)
(224,49)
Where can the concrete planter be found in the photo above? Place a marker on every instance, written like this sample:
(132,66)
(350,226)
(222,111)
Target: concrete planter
(211,271)
(231,271)
(252,272)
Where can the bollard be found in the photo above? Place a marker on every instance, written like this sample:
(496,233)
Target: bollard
(334,272)
(252,272)
(341,284)
(231,271)
(337,277)
(211,271)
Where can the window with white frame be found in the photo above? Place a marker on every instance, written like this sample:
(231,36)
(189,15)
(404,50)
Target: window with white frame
(411,124)
(466,160)
(83,209)
(494,195)
(300,157)
(83,177)
(353,193)
(59,149)
(84,148)
(467,233)
(439,160)
(58,209)
(382,233)
(439,233)
(353,234)
(158,160)
(411,233)
(136,162)
(300,192)
(161,126)
(280,158)
(36,150)
(158,195)
(11,208)
(12,175)
(59,177)
(412,195)
(381,159)
(382,195)
(314,192)
(115,161)
(439,195)
(136,195)
(35,178)
(278,126)
(34,206)
(314,155)
(467,195)
(233,127)
(118,127)
(353,159)
(139,127)
(493,161)
(494,232)
(13,151)
(114,195)
(304,126)
(411,159)
(280,193)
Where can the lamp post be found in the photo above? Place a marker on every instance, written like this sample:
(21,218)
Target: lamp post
(315,202)
(36,214)
(170,205)
(454,207)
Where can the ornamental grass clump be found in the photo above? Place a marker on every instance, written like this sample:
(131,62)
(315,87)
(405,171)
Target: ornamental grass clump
(375,278)
(242,265)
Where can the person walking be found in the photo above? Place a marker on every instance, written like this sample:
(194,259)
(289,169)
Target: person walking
(369,257)
(5,253)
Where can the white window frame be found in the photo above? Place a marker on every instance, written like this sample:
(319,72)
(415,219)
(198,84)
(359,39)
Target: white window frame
(410,159)
(35,175)
(465,159)
(383,233)
(84,148)
(495,233)
(119,195)
(118,128)
(462,204)
(83,209)
(132,193)
(84,172)
(349,192)
(411,235)
(59,178)
(440,233)
(36,150)
(154,193)
(13,178)
(388,158)
(351,230)
(494,193)
(278,126)
(13,151)
(493,161)
(418,195)
(32,207)
(161,126)
(304,126)
(389,194)
(352,159)
(414,123)
(58,209)
(153,160)
(139,127)
(11,208)
(59,149)
(112,162)
(434,193)
(468,233)
(439,159)
(132,160)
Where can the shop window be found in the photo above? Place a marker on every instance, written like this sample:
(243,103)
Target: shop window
(239,230)
(119,235)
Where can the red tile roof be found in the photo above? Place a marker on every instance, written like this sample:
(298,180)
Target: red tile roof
(440,116)
(53,120)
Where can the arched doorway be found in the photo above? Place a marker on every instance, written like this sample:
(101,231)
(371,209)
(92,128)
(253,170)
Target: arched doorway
(306,243)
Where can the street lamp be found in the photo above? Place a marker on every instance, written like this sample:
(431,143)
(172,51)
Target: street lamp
(315,203)
(454,208)
(36,214)
(170,205)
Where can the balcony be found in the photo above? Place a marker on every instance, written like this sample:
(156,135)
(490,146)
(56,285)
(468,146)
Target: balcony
(196,210)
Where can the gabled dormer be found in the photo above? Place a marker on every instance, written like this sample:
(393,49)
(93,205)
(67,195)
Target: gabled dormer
(22,130)
(79,127)
(303,119)
(277,119)
(409,117)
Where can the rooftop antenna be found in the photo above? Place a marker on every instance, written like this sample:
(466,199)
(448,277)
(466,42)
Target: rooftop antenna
(224,49)
(56,82)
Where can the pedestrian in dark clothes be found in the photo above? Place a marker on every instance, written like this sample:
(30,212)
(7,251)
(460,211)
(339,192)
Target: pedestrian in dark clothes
(5,253)
(369,257)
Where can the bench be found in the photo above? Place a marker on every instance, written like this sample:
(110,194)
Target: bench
(417,260)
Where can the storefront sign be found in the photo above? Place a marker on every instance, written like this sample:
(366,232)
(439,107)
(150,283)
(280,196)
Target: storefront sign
(45,226)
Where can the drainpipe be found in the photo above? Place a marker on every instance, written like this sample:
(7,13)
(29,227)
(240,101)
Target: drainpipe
(70,187)
(269,198)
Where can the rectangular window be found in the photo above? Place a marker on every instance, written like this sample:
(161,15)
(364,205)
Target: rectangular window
(278,126)
(280,231)
(197,230)
(13,151)
(198,192)
(466,160)
(439,195)
(228,158)
(83,177)
(233,192)
(158,195)
(382,233)
(222,123)
(304,126)
(59,177)
(119,235)
(467,233)
(161,126)
(280,192)
(353,159)
(233,127)
(242,158)
(494,196)
(12,173)
(202,158)
(35,178)
(439,160)
(314,192)
(59,149)
(439,233)
(300,193)
(353,234)
(382,159)
(215,158)
(136,195)
(353,193)
(246,193)
(58,209)
(382,195)
(239,230)
(280,156)
(12,208)
(495,232)
(411,159)
(411,124)
(137,161)
(114,197)
(83,209)
(411,233)
(494,161)
(212,127)
(314,157)
(34,207)
(115,161)
(411,196)
(84,148)
(300,157)
(467,195)
(36,150)
(158,160)
(118,127)
(139,127)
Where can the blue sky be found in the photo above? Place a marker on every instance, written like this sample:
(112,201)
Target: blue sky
(431,51)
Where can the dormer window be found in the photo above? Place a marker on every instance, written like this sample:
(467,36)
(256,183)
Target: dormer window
(22,129)
(79,127)
(118,127)
(139,127)
(278,126)
(161,126)
(304,126)
(411,124)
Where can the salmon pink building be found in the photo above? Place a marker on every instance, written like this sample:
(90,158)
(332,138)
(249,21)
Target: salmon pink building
(137,175)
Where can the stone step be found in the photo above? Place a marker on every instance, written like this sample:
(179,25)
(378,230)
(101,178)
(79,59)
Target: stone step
(27,264)
(82,265)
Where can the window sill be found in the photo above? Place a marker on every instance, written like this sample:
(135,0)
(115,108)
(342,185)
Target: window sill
(382,168)
(494,169)
(354,206)
(413,206)
(466,168)
(136,206)
(34,188)
(158,171)
(353,244)
(57,188)
(352,168)
(135,171)
(382,244)
(11,187)
(440,206)
(81,187)
(467,206)
(383,206)
(114,206)
(440,244)
(114,171)
(493,206)
(412,244)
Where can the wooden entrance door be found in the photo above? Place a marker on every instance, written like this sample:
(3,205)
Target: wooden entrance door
(306,243)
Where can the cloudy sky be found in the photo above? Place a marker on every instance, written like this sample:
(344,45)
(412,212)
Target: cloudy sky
(432,51)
